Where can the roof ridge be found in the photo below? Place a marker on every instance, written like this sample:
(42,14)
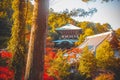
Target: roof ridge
(106,33)
(68,26)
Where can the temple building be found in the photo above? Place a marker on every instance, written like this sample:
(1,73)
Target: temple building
(67,36)
(94,41)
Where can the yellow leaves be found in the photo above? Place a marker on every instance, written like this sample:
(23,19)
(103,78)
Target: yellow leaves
(84,24)
(59,66)
(88,32)
(2,14)
(80,40)
(57,20)
(118,32)
(105,55)
(15,5)
(87,63)
(104,51)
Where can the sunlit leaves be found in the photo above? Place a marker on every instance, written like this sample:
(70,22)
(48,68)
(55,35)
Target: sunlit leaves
(88,32)
(87,63)
(105,55)
(59,66)
(73,55)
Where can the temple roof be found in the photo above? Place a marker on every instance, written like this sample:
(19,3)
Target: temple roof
(93,41)
(68,27)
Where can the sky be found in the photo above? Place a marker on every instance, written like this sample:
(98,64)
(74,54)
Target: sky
(106,12)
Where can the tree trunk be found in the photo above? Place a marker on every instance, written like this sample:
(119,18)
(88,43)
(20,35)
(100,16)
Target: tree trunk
(35,60)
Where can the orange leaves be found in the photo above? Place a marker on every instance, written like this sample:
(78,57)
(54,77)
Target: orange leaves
(48,50)
(73,54)
(75,50)
(50,53)
(104,76)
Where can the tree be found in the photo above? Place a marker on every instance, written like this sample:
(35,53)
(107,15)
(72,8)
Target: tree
(5,72)
(5,21)
(87,32)
(59,67)
(99,28)
(35,60)
(80,40)
(17,40)
(106,27)
(87,64)
(118,33)
(105,56)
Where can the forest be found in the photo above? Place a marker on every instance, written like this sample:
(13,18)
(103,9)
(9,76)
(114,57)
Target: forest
(27,30)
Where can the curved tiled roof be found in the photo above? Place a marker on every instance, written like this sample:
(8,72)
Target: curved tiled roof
(95,40)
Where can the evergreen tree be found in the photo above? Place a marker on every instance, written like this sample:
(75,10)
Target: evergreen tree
(17,40)
(5,21)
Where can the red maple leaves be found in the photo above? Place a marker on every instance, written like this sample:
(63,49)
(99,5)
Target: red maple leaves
(5,72)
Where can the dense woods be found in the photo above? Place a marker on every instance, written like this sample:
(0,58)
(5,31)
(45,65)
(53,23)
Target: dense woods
(27,50)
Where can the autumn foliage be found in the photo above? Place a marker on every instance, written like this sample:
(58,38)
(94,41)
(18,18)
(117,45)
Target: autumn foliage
(5,54)
(5,72)
(105,77)
(50,55)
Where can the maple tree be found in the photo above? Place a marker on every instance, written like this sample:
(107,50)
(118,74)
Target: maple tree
(5,72)
(49,57)
(55,68)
